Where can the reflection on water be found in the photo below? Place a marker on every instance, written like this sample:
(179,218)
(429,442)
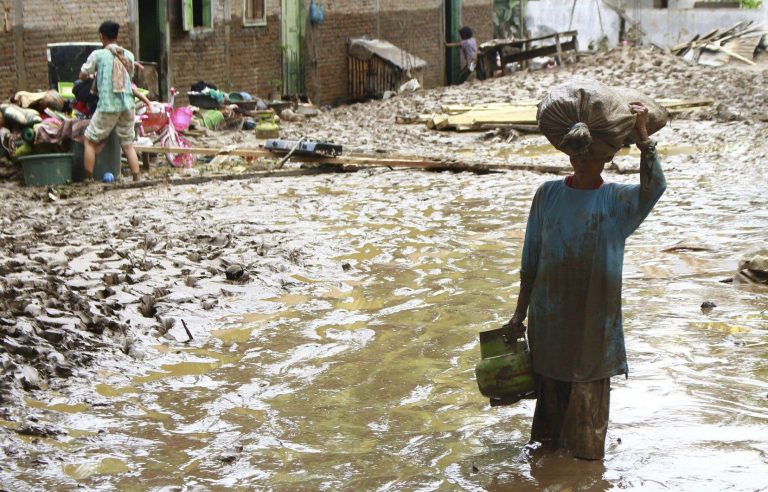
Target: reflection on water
(362,379)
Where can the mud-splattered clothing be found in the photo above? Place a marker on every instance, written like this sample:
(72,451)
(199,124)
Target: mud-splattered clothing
(573,258)
(572,416)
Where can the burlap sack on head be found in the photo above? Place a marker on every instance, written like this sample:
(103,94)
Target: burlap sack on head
(587,119)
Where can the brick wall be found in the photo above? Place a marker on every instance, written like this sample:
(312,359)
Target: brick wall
(413,26)
(326,60)
(478,16)
(256,57)
(7,64)
(254,52)
(65,21)
(418,31)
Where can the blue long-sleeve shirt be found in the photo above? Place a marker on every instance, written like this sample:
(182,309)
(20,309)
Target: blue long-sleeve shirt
(572,260)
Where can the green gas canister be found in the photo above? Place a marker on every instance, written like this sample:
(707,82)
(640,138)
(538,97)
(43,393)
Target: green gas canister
(505,373)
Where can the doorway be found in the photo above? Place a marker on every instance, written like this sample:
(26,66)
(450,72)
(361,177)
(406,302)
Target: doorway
(452,10)
(293,82)
(152,54)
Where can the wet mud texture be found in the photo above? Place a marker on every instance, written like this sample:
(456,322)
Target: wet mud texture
(371,127)
(320,332)
(334,322)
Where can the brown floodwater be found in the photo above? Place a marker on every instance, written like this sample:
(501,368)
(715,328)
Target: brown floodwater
(362,378)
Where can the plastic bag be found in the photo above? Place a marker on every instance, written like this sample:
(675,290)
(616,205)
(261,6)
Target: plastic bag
(588,119)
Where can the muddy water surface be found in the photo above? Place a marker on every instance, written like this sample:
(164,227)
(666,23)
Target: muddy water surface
(359,376)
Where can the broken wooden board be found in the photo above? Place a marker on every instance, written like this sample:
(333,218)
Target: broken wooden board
(522,113)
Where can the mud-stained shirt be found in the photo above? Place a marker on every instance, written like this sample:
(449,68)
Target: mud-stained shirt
(573,258)
(101,63)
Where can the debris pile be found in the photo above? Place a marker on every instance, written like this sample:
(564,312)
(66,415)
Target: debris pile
(741,45)
(726,94)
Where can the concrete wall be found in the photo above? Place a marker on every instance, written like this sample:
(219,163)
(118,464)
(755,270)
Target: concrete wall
(548,16)
(662,27)
(667,27)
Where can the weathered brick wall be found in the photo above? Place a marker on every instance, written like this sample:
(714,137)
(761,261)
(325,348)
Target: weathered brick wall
(254,52)
(196,55)
(414,26)
(479,16)
(256,57)
(417,28)
(65,21)
(326,60)
(7,64)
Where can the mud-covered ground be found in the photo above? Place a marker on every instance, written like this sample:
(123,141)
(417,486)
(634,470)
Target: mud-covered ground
(371,128)
(132,281)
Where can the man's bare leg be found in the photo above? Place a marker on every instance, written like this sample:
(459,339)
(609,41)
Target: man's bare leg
(89,159)
(133,160)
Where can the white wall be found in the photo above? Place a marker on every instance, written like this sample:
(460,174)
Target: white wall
(667,28)
(662,27)
(547,16)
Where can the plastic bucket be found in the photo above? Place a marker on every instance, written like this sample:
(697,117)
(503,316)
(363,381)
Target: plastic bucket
(47,169)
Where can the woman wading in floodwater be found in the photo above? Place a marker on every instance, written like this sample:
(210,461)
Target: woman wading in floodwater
(571,292)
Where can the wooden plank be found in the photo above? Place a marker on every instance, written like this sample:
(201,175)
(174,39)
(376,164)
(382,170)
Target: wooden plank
(730,53)
(466,118)
(529,54)
(518,115)
(364,161)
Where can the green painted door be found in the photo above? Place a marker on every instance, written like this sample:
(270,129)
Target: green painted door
(452,10)
(293,73)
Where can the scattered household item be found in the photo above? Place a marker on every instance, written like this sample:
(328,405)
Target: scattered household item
(182,117)
(304,147)
(267,128)
(15,114)
(249,124)
(202,101)
(279,106)
(65,61)
(154,118)
(235,97)
(201,85)
(39,101)
(212,118)
(586,118)
(65,90)
(316,13)
(377,66)
(46,169)
(505,373)
(410,86)
(108,178)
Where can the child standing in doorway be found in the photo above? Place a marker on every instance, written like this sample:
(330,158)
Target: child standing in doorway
(468,46)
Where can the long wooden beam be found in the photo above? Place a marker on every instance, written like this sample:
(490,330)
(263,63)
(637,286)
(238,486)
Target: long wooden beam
(363,161)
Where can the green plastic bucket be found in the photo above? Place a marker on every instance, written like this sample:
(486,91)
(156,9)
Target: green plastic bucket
(47,169)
